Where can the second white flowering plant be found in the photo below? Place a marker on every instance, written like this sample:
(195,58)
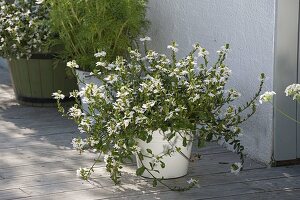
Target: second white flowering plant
(146,93)
(24,28)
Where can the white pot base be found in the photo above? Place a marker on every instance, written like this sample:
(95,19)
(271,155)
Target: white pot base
(176,166)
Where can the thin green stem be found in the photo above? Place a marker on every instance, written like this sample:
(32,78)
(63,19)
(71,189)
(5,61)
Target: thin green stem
(286,115)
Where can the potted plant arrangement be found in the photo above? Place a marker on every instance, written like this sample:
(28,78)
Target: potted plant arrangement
(24,36)
(154,107)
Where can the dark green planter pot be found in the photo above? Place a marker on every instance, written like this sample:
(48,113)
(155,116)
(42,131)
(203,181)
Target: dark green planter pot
(35,80)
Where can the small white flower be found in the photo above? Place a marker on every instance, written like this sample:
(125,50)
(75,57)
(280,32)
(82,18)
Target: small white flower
(173,47)
(74,93)
(136,149)
(72,64)
(93,142)
(196,46)
(203,52)
(111,78)
(135,54)
(126,122)
(294,91)
(101,64)
(100,54)
(58,95)
(106,157)
(266,97)
(75,112)
(149,104)
(223,50)
(195,98)
(116,146)
(39,1)
(169,116)
(211,94)
(85,125)
(234,94)
(236,168)
(110,66)
(78,144)
(145,39)
(178,64)
(83,173)
(192,181)
(9,29)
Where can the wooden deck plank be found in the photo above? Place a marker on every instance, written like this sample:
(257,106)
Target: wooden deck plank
(208,165)
(219,191)
(57,139)
(144,191)
(40,121)
(13,194)
(285,194)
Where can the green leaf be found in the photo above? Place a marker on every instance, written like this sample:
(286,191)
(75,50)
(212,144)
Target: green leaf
(151,165)
(171,136)
(184,143)
(209,137)
(140,171)
(234,166)
(149,151)
(162,164)
(154,182)
(149,138)
(201,143)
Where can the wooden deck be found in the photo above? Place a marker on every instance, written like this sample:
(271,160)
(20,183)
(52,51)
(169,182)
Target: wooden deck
(37,162)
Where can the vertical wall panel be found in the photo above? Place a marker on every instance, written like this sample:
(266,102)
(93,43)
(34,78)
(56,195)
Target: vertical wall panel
(298,105)
(286,61)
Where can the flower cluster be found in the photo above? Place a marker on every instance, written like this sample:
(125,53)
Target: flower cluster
(146,93)
(266,97)
(294,91)
(23,28)
(84,173)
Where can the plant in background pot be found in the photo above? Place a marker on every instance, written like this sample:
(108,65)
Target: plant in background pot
(154,107)
(24,34)
(86,28)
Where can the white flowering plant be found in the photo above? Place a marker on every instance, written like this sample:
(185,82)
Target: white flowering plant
(23,27)
(146,93)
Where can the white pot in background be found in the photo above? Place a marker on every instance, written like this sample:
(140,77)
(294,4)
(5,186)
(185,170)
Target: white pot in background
(176,165)
(86,78)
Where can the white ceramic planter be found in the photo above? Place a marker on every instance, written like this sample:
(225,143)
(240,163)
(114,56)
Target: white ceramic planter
(85,78)
(176,165)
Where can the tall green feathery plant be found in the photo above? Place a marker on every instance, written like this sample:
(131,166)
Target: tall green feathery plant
(88,26)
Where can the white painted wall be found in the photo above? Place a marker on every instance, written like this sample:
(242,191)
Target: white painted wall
(248,26)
